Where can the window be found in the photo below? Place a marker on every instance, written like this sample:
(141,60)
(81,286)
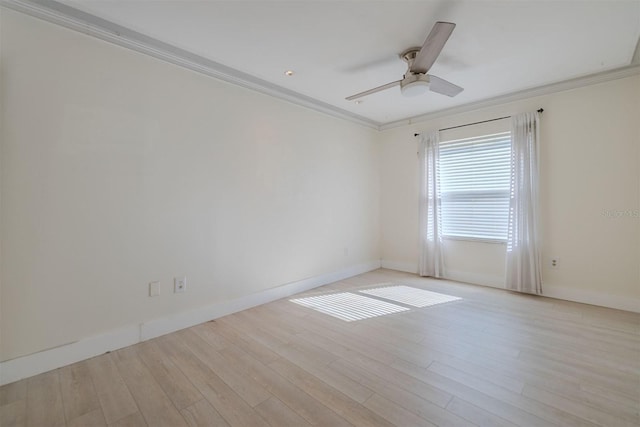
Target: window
(474,187)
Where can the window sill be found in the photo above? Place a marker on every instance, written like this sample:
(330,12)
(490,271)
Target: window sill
(476,239)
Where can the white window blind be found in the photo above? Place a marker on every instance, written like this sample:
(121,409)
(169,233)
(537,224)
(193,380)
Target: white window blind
(474,187)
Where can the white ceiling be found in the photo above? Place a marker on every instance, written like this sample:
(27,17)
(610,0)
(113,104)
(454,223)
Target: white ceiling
(338,48)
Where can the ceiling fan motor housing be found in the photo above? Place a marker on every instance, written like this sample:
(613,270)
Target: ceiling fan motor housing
(413,84)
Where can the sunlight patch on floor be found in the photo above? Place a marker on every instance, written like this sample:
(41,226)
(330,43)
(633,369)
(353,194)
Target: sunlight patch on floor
(348,306)
(411,296)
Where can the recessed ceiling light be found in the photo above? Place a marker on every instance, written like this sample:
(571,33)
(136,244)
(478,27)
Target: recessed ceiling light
(288,73)
(359,101)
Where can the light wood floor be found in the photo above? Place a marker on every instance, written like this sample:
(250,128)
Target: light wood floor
(493,358)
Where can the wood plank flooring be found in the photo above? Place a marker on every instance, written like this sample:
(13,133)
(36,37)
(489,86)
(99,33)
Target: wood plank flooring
(492,358)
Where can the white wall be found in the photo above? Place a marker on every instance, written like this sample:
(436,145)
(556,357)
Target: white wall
(590,166)
(118,169)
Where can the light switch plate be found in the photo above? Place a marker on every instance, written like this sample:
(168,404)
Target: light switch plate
(154,289)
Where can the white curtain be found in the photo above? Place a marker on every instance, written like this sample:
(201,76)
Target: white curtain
(523,246)
(431,260)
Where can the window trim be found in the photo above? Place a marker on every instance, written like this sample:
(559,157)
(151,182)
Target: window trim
(476,239)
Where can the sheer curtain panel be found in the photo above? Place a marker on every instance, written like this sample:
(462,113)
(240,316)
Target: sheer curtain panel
(523,247)
(431,260)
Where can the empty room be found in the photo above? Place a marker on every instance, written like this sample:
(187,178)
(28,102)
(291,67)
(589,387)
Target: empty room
(320,213)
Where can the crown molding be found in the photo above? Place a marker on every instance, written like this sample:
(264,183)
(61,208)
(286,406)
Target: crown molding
(74,19)
(69,17)
(592,79)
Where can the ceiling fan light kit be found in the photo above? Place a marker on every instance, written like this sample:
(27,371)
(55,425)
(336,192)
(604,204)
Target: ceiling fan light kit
(419,60)
(414,85)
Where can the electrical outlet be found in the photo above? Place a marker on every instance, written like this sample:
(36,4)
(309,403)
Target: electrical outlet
(154,289)
(555,261)
(179,284)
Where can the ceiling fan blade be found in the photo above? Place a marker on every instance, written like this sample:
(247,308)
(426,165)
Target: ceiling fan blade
(438,85)
(432,46)
(374,90)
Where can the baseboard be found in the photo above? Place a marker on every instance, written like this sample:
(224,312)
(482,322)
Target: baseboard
(407,267)
(458,276)
(66,354)
(591,297)
(166,325)
(558,292)
(475,279)
(37,363)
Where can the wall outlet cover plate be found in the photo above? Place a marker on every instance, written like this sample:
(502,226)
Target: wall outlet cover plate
(179,284)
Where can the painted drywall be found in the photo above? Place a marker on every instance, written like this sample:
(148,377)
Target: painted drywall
(118,169)
(590,196)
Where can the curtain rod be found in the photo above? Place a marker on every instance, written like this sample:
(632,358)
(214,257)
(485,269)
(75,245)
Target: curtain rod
(477,123)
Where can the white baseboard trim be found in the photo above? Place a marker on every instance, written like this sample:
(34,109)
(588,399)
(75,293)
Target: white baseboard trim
(166,325)
(558,292)
(66,354)
(591,297)
(407,267)
(476,279)
(458,276)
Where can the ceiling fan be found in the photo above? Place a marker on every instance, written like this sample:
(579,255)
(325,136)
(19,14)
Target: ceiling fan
(416,81)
